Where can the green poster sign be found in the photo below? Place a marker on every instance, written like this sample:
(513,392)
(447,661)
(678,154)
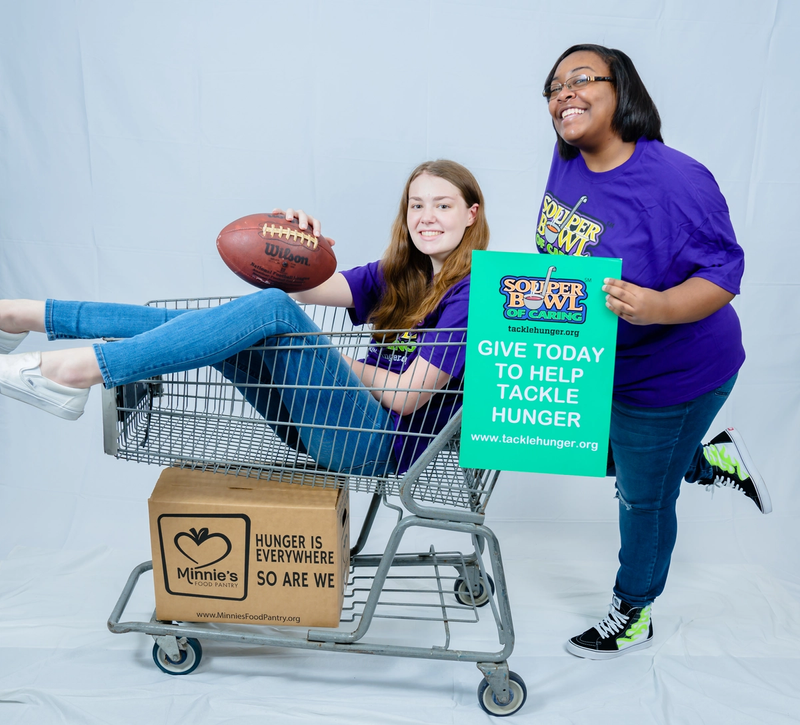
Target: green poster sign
(540,364)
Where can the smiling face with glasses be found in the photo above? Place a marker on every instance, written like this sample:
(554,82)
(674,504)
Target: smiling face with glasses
(582,101)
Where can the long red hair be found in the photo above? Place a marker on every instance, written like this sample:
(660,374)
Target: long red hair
(412,291)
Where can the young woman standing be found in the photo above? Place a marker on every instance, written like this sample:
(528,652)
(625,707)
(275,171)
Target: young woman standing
(615,190)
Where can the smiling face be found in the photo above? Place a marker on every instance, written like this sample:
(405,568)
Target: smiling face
(583,117)
(437,217)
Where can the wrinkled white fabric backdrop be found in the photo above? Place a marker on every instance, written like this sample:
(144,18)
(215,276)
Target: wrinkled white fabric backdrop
(131,133)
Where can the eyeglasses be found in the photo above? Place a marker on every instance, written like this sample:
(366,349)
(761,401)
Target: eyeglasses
(574,83)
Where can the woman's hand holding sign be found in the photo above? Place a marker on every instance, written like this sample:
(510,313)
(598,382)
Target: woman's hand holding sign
(692,300)
(634,304)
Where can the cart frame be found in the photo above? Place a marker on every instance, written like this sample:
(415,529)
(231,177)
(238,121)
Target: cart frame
(143,420)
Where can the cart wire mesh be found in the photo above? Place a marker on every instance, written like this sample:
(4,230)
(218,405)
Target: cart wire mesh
(204,420)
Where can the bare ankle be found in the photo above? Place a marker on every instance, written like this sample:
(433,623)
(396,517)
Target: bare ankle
(75,368)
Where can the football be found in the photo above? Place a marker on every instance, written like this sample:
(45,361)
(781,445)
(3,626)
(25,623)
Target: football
(266,250)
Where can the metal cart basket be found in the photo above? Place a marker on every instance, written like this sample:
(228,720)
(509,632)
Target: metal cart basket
(201,419)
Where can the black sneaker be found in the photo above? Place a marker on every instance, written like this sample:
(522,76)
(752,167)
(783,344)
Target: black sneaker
(625,629)
(733,468)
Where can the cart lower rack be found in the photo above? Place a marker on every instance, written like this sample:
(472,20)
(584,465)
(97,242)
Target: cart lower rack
(284,410)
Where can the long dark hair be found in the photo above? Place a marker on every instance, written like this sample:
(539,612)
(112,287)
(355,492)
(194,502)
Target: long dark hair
(636,114)
(410,294)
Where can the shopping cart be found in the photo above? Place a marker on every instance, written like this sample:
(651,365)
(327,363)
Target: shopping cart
(201,420)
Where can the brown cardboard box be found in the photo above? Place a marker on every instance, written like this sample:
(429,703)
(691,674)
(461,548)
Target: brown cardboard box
(231,549)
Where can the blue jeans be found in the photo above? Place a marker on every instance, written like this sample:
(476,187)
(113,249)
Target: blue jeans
(318,396)
(651,451)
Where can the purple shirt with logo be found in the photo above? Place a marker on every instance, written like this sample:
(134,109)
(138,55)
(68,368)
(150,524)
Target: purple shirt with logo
(663,214)
(442,345)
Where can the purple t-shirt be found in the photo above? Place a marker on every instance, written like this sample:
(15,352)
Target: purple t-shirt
(663,214)
(442,345)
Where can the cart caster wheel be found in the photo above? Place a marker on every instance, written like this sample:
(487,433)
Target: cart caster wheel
(463,596)
(518,696)
(187,661)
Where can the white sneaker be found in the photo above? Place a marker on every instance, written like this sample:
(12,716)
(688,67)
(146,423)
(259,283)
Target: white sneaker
(21,378)
(10,340)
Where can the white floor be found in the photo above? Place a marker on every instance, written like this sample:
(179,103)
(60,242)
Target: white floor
(726,648)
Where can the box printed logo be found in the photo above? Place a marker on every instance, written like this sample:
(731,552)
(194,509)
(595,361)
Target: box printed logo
(544,300)
(200,546)
(205,555)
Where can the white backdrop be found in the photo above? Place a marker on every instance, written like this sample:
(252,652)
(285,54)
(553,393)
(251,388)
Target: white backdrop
(132,132)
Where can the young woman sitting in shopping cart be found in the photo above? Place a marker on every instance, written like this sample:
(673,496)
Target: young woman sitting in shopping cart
(369,417)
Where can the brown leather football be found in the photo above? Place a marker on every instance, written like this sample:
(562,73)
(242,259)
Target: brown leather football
(266,250)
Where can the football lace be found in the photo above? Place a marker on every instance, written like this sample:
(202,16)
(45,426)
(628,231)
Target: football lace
(307,240)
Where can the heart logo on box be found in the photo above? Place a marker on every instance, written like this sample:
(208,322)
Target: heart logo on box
(202,548)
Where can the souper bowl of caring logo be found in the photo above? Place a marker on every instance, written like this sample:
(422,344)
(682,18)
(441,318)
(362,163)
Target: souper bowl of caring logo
(205,555)
(544,299)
